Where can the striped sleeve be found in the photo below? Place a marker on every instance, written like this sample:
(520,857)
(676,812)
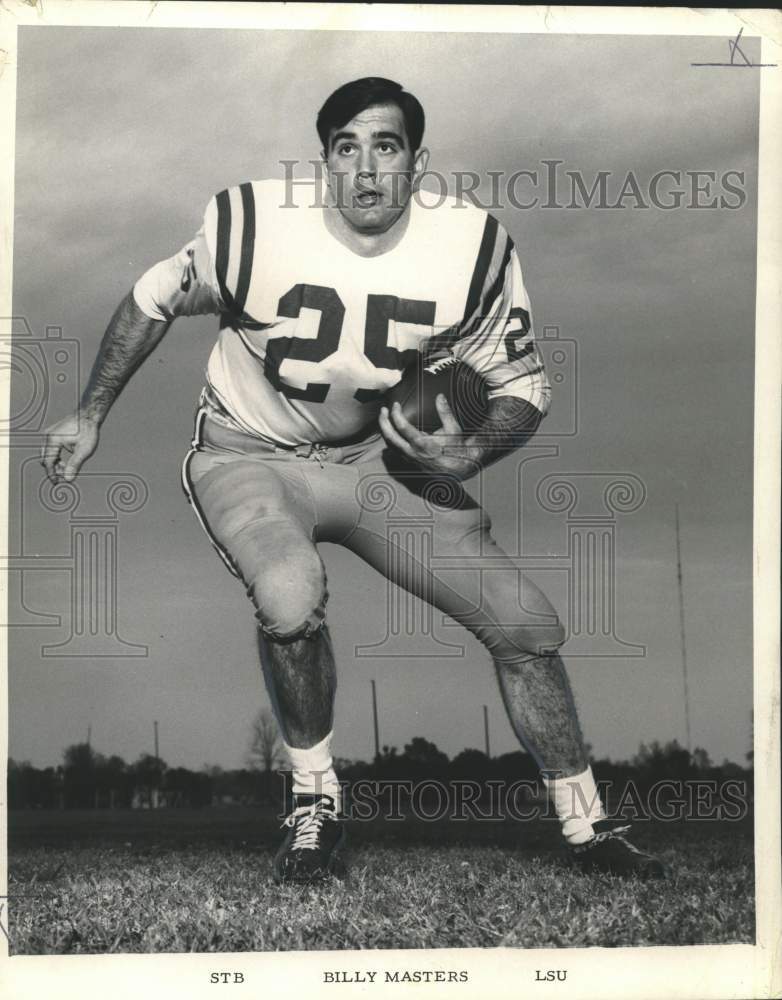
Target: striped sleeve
(495,336)
(230,231)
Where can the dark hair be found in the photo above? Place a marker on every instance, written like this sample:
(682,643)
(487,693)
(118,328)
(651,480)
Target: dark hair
(358,95)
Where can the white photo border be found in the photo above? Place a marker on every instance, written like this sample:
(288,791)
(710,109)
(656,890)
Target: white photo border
(704,972)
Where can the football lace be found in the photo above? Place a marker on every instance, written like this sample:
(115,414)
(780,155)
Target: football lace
(437,366)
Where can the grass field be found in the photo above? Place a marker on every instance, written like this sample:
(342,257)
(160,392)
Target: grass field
(186,880)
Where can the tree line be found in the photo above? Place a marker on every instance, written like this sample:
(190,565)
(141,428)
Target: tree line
(87,779)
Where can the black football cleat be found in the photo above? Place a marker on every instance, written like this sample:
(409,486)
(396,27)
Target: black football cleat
(610,854)
(310,851)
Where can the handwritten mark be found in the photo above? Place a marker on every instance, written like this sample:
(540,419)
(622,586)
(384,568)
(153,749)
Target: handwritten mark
(735,50)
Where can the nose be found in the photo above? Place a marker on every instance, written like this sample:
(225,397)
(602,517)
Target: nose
(366,166)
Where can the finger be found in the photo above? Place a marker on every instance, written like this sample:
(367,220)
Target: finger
(389,431)
(80,455)
(450,424)
(409,431)
(392,435)
(49,457)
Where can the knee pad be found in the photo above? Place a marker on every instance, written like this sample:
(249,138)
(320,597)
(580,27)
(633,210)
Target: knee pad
(309,628)
(523,642)
(248,514)
(290,596)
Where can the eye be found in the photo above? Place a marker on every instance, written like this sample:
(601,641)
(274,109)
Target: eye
(387,147)
(345,149)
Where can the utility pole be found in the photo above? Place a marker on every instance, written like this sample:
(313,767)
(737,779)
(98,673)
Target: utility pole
(156,790)
(486,730)
(374,719)
(683,633)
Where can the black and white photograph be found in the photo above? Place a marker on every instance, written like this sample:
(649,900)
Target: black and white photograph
(391,478)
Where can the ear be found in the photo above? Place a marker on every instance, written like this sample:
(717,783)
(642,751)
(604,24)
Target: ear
(325,162)
(420,164)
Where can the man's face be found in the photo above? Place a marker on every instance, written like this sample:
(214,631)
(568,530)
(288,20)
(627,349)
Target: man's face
(371,168)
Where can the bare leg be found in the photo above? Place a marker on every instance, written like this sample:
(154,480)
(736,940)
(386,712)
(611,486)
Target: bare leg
(301,679)
(539,702)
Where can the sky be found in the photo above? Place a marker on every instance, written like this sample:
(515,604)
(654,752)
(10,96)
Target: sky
(122,138)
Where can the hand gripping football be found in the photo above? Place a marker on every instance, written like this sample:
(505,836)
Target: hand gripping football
(464,388)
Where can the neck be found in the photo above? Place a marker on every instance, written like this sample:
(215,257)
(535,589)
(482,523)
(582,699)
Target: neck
(364,244)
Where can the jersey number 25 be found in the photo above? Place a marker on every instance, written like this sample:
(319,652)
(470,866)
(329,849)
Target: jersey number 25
(381,309)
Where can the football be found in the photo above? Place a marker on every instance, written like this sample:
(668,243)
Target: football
(464,388)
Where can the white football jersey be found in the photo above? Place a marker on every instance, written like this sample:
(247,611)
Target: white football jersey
(312,334)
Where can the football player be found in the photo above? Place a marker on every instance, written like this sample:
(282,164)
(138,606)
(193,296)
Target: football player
(322,306)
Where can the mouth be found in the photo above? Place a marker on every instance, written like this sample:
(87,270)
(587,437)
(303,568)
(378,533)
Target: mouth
(366,199)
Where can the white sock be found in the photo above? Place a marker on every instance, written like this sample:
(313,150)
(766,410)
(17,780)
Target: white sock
(313,770)
(577,804)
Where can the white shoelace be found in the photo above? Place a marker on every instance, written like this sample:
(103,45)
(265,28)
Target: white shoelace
(307,822)
(615,834)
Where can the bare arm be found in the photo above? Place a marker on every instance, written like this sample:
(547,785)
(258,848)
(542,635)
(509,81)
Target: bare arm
(130,337)
(510,423)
